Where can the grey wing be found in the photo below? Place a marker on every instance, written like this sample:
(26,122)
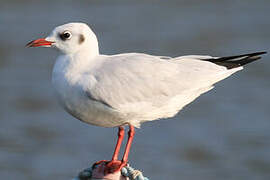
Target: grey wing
(132,78)
(129,78)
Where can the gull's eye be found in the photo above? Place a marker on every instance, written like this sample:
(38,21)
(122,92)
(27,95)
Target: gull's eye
(65,35)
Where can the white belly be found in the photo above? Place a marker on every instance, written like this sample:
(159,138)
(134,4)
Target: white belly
(87,110)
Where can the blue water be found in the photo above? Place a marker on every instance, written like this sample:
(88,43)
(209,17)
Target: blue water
(225,134)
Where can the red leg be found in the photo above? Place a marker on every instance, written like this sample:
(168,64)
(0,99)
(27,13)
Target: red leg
(130,139)
(121,133)
(115,165)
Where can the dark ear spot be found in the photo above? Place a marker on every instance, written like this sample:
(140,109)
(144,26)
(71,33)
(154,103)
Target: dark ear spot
(81,39)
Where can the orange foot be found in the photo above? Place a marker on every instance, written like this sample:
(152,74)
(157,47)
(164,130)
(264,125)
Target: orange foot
(111,166)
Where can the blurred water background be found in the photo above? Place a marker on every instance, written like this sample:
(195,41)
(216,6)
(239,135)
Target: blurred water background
(225,134)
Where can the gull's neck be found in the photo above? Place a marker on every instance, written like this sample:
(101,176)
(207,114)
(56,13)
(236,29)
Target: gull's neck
(86,52)
(81,58)
(71,66)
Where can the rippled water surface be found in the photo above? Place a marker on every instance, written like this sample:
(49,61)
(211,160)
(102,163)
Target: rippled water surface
(225,134)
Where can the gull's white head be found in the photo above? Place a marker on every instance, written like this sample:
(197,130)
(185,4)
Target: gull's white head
(70,38)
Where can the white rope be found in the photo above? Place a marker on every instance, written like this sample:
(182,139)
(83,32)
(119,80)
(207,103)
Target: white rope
(132,174)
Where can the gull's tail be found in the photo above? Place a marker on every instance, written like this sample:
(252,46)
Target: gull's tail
(236,61)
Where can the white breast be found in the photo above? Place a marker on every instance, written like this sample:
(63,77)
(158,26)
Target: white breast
(68,83)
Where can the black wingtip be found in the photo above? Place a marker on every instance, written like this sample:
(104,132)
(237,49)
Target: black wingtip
(263,52)
(257,53)
(236,61)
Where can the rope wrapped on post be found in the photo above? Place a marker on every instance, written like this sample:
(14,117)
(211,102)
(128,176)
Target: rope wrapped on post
(132,174)
(127,173)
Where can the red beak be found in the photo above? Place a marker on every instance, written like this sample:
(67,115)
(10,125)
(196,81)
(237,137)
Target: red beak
(39,42)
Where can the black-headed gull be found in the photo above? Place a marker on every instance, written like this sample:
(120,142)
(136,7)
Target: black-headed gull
(131,88)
